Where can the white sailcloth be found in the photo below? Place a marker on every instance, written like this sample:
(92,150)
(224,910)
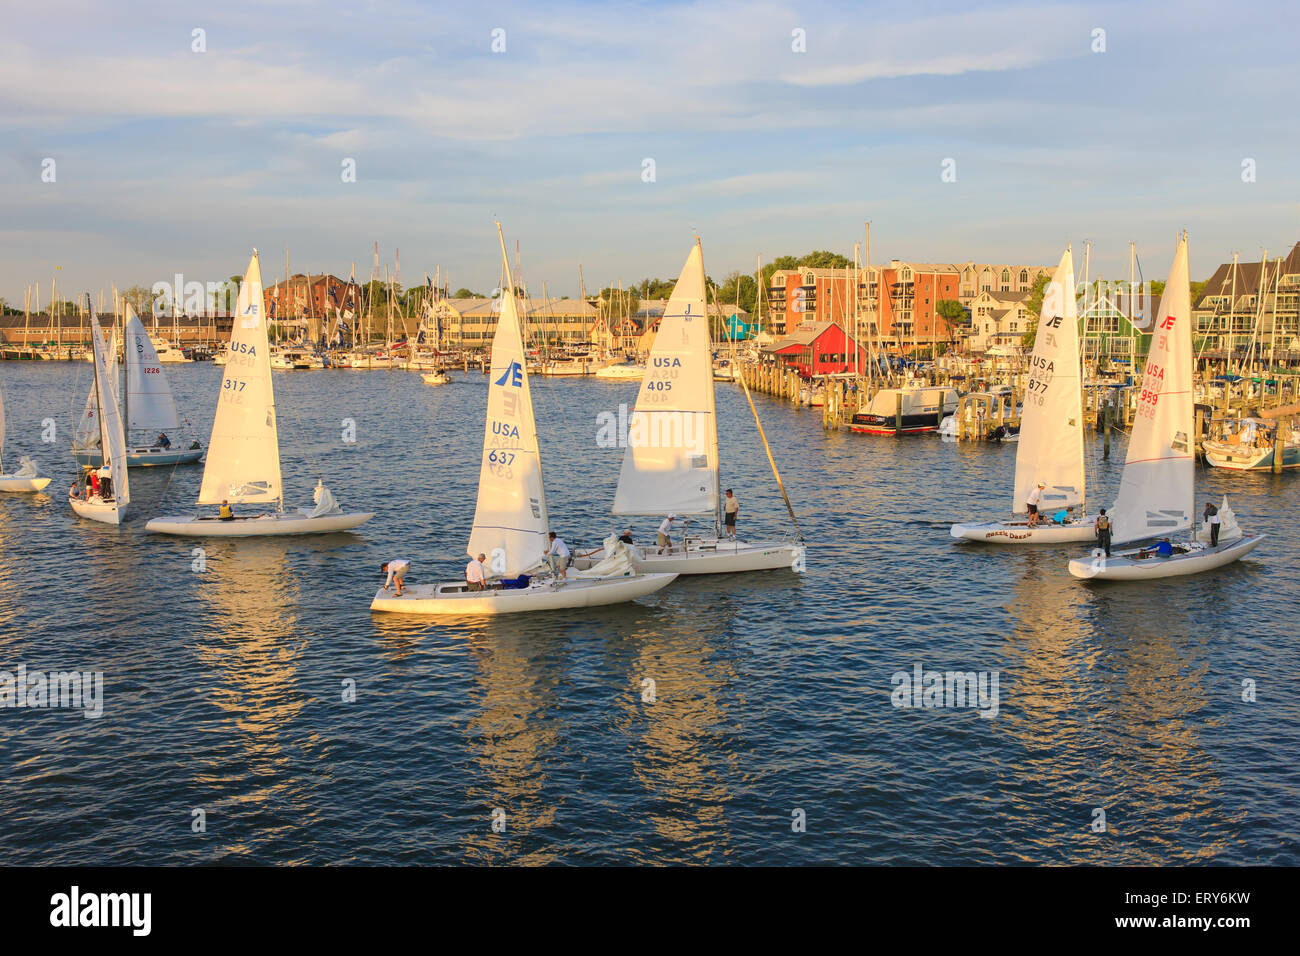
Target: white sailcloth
(243,463)
(112,438)
(671,462)
(1051,431)
(149,403)
(510,520)
(86,432)
(1156,490)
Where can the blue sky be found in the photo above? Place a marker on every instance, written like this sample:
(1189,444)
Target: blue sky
(170,160)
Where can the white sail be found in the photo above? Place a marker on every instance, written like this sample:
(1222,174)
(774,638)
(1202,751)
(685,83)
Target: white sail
(510,520)
(671,462)
(86,432)
(1051,431)
(1156,491)
(149,404)
(112,438)
(243,463)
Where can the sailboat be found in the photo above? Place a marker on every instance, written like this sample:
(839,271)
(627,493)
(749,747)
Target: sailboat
(671,463)
(243,463)
(106,508)
(147,407)
(510,517)
(1157,489)
(1050,446)
(26,477)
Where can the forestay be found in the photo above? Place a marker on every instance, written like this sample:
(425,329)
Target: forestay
(112,440)
(1156,490)
(149,404)
(1051,430)
(243,463)
(510,520)
(671,462)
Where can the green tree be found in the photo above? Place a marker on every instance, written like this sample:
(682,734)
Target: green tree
(1034,305)
(954,315)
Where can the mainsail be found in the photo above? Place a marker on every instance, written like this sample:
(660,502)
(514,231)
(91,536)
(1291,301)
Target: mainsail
(1157,488)
(112,440)
(671,462)
(243,463)
(85,434)
(149,404)
(1051,431)
(510,520)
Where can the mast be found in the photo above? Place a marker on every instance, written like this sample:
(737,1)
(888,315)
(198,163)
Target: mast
(510,290)
(717,474)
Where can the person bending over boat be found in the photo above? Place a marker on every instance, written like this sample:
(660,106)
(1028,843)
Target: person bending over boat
(557,556)
(163,441)
(1032,502)
(476,573)
(1212,519)
(1102,529)
(665,534)
(396,569)
(1161,549)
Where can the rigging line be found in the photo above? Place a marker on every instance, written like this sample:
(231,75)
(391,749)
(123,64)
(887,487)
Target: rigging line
(767,448)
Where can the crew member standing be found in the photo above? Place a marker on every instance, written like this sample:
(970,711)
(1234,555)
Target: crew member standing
(1032,502)
(1212,519)
(730,508)
(476,573)
(1102,527)
(665,534)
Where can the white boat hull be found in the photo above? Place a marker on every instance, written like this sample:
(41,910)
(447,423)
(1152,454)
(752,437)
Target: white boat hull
(11,483)
(541,595)
(1122,566)
(256,526)
(708,556)
(621,372)
(1019,532)
(435,378)
(107,512)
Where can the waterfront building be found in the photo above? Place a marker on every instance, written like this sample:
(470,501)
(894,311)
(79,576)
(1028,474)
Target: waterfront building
(1242,301)
(302,295)
(998,319)
(818,348)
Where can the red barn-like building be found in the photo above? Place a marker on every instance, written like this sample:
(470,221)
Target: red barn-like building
(822,348)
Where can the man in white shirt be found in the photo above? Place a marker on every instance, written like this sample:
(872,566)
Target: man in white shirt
(396,569)
(665,534)
(730,509)
(1214,523)
(1032,502)
(476,573)
(557,556)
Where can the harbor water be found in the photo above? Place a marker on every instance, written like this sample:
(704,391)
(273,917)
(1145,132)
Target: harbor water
(254,710)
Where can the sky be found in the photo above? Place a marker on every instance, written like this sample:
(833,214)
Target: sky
(608,135)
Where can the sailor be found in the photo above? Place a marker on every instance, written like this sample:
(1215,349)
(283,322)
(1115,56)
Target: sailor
(557,555)
(730,508)
(163,441)
(396,569)
(665,534)
(226,513)
(1101,527)
(1032,502)
(1212,521)
(1061,517)
(476,573)
(626,536)
(92,481)
(106,481)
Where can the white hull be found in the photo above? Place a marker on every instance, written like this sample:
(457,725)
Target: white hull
(541,595)
(97,510)
(1123,567)
(435,378)
(621,371)
(269,524)
(1019,532)
(10,483)
(710,557)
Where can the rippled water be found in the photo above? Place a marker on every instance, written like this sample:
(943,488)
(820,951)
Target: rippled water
(223,689)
